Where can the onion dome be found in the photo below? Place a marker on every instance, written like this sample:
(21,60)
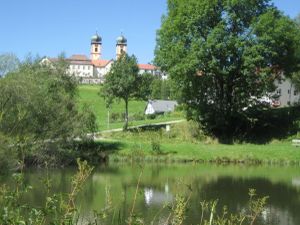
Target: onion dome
(121,40)
(96,39)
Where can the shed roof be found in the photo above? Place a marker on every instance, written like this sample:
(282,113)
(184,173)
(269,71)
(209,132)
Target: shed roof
(161,106)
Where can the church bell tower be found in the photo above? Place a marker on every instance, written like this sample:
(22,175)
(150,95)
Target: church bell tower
(96,45)
(121,46)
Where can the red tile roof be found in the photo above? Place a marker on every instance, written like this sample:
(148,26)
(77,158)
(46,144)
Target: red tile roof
(80,62)
(83,60)
(79,57)
(101,62)
(147,67)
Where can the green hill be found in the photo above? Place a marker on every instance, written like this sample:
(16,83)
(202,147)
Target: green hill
(89,94)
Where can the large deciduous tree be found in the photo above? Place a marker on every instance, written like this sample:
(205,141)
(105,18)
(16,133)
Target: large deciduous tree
(122,82)
(224,55)
(39,116)
(296,74)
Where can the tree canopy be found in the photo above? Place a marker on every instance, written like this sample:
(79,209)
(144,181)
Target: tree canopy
(38,112)
(224,55)
(122,82)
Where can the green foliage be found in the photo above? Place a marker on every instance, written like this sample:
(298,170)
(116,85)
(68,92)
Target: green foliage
(145,82)
(163,89)
(38,112)
(88,94)
(122,82)
(221,54)
(8,158)
(58,209)
(137,116)
(116,117)
(119,117)
(155,146)
(296,74)
(189,131)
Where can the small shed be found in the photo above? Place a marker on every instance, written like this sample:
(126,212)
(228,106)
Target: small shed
(160,106)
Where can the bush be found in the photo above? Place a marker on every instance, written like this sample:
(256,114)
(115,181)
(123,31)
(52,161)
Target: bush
(116,117)
(8,158)
(39,113)
(155,146)
(137,152)
(187,131)
(151,117)
(137,116)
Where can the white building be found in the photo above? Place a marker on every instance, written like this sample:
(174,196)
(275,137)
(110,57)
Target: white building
(93,70)
(286,94)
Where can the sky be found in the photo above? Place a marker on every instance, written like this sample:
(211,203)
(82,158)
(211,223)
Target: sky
(50,27)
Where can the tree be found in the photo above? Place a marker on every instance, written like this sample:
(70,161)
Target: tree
(224,55)
(145,82)
(8,63)
(122,82)
(297,19)
(162,89)
(296,74)
(38,112)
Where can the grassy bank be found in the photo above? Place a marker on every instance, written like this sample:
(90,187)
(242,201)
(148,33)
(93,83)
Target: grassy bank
(89,95)
(180,146)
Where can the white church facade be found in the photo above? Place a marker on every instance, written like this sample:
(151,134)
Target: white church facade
(92,70)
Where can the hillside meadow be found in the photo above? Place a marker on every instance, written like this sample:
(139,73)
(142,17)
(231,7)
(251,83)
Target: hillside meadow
(90,95)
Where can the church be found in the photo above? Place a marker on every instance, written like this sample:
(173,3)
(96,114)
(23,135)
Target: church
(92,70)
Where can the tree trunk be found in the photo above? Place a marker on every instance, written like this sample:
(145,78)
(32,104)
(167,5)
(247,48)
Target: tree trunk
(126,115)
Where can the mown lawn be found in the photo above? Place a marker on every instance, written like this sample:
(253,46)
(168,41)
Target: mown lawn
(89,95)
(178,149)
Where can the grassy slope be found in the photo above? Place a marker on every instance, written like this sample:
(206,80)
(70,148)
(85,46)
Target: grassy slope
(181,149)
(88,94)
(176,149)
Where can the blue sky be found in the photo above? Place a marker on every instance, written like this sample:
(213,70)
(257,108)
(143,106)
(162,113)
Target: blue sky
(49,27)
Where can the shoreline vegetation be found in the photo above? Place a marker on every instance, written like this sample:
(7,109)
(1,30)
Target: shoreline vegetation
(184,143)
(86,113)
(180,146)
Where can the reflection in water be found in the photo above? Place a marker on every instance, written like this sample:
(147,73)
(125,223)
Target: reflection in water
(283,203)
(154,197)
(296,182)
(159,184)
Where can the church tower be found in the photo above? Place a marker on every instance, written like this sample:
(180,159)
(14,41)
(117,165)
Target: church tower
(121,46)
(96,44)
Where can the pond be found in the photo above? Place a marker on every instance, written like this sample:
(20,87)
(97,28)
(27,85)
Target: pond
(159,184)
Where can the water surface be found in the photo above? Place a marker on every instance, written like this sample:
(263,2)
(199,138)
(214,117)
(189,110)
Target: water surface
(115,185)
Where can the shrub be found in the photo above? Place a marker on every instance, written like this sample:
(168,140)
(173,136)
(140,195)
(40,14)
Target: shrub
(187,131)
(137,116)
(116,117)
(155,146)
(151,117)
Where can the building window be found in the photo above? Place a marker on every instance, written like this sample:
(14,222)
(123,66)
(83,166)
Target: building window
(289,103)
(96,49)
(278,91)
(295,92)
(289,91)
